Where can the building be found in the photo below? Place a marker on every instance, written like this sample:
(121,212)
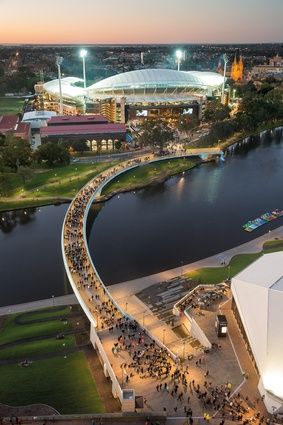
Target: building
(237,69)
(37,119)
(141,94)
(94,129)
(257,305)
(10,125)
(273,69)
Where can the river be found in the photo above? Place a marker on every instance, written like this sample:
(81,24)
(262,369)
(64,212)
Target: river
(184,219)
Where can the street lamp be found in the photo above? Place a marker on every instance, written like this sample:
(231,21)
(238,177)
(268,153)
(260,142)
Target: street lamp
(163,336)
(59,61)
(83,54)
(225,59)
(179,56)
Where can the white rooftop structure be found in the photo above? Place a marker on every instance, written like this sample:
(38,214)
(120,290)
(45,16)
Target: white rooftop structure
(38,119)
(258,294)
(153,79)
(69,89)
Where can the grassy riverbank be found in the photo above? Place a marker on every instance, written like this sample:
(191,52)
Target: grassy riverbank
(145,175)
(238,262)
(46,186)
(58,374)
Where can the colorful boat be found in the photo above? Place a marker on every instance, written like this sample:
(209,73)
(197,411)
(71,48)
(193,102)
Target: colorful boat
(263,219)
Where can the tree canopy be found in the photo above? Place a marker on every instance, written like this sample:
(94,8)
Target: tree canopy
(53,154)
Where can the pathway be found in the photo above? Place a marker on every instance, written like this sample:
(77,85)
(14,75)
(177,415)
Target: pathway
(35,305)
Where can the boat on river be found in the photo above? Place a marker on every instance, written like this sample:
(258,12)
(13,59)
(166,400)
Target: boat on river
(263,219)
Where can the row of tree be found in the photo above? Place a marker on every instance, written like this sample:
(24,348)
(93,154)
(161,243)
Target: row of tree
(258,107)
(16,153)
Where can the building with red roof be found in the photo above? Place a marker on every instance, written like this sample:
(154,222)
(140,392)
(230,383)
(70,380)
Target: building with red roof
(8,123)
(94,129)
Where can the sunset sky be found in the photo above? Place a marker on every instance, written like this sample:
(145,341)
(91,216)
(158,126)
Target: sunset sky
(143,21)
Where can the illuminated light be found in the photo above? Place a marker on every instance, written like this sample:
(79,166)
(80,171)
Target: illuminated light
(83,53)
(179,54)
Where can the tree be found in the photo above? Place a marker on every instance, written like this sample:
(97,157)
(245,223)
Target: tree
(16,153)
(156,134)
(215,111)
(187,123)
(52,154)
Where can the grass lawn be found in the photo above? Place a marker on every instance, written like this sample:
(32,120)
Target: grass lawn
(47,186)
(238,262)
(13,331)
(10,105)
(146,174)
(50,345)
(44,313)
(65,384)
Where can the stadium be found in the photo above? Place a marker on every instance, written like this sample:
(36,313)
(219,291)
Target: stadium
(136,95)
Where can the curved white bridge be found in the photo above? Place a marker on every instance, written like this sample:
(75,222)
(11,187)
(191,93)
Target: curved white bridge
(98,304)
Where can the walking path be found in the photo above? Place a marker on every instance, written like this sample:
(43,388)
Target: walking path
(34,305)
(131,287)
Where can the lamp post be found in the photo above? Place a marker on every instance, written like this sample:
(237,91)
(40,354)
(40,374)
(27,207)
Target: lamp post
(163,336)
(59,61)
(83,54)
(179,56)
(225,59)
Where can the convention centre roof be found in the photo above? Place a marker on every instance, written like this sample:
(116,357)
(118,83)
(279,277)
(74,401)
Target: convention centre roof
(258,293)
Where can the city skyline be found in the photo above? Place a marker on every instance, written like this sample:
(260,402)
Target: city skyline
(252,21)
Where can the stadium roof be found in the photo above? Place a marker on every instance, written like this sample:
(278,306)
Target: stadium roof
(258,293)
(155,78)
(68,87)
(139,79)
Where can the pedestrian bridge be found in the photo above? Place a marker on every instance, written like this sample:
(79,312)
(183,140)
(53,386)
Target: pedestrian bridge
(98,304)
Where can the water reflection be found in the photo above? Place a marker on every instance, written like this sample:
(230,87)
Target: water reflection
(10,219)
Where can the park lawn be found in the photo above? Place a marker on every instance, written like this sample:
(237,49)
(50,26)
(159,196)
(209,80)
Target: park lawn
(10,105)
(146,174)
(47,186)
(12,331)
(238,263)
(214,275)
(44,313)
(35,348)
(63,383)
(273,246)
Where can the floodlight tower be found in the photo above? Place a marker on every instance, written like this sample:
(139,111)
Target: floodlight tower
(179,56)
(83,54)
(59,61)
(225,59)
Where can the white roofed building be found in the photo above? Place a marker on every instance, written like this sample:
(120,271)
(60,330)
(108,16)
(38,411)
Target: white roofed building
(146,93)
(258,307)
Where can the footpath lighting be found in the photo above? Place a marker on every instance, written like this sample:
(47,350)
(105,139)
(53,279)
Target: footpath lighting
(179,56)
(225,59)
(83,54)
(59,61)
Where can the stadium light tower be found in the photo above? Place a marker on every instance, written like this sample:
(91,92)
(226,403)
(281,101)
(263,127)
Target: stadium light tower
(59,61)
(179,56)
(225,59)
(83,54)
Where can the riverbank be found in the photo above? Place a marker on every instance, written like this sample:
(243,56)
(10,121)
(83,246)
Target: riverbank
(45,187)
(64,182)
(203,267)
(148,175)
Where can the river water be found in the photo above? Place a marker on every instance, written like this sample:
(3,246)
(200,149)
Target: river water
(187,218)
